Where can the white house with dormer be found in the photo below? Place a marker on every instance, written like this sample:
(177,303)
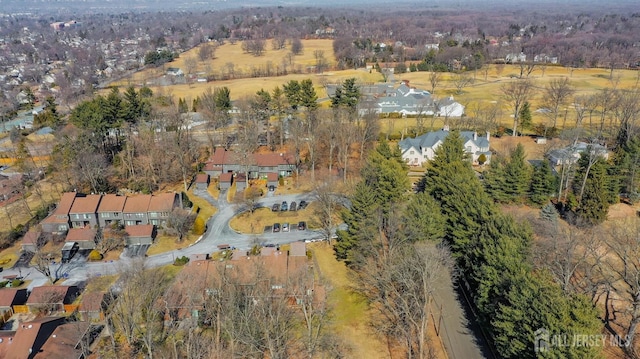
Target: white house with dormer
(417,151)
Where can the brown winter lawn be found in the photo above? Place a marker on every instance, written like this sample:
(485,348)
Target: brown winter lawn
(349,308)
(481,92)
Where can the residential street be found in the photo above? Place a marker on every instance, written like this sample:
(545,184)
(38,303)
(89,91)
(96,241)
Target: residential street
(461,337)
(218,232)
(462,340)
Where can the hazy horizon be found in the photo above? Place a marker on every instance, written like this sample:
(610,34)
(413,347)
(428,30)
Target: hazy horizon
(56,7)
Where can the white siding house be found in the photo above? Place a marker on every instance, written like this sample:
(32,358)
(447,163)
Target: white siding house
(417,151)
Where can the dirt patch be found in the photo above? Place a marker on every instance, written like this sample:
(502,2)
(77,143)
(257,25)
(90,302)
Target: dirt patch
(534,151)
(622,210)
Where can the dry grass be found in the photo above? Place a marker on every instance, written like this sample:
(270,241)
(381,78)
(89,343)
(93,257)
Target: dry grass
(100,284)
(242,61)
(9,256)
(206,210)
(242,87)
(18,211)
(165,243)
(585,82)
(349,309)
(213,189)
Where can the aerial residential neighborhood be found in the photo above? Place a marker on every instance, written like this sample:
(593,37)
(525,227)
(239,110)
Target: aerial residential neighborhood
(441,180)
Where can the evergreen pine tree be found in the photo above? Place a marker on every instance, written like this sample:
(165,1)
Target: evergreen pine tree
(450,180)
(524,116)
(543,183)
(533,302)
(308,96)
(113,108)
(358,220)
(517,175)
(594,204)
(549,213)
(132,106)
(495,180)
(422,219)
(626,168)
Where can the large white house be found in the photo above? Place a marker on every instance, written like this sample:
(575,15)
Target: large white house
(405,100)
(416,151)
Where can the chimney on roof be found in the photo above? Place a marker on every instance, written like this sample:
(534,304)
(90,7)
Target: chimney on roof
(405,82)
(475,136)
(445,128)
(488,135)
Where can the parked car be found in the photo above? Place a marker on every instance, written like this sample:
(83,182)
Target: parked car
(69,250)
(272,188)
(276,227)
(276,207)
(292,207)
(285,227)
(270,245)
(302,225)
(284,206)
(303,204)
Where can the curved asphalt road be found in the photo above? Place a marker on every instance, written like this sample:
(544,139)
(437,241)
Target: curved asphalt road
(218,232)
(460,336)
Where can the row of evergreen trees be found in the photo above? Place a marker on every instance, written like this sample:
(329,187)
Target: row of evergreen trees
(584,189)
(491,250)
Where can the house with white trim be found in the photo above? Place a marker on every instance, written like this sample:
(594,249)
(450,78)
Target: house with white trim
(417,151)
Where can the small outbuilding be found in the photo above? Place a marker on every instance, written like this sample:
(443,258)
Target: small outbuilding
(202,181)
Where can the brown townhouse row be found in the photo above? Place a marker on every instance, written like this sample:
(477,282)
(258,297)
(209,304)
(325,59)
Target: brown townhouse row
(76,210)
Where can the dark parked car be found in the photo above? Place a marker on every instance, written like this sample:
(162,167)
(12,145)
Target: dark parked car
(303,205)
(276,227)
(302,225)
(284,206)
(292,207)
(272,188)
(276,207)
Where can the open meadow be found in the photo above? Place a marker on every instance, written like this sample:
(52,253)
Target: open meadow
(484,90)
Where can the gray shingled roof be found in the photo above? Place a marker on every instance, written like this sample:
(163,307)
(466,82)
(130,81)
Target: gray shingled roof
(429,139)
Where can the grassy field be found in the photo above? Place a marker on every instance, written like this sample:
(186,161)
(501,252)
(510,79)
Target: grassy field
(484,92)
(481,92)
(243,62)
(349,309)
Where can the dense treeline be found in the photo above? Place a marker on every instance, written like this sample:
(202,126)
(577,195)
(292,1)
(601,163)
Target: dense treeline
(491,251)
(132,140)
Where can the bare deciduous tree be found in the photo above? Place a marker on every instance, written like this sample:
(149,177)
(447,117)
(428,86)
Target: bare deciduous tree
(399,285)
(180,221)
(516,93)
(434,80)
(461,80)
(622,270)
(326,208)
(556,94)
(137,310)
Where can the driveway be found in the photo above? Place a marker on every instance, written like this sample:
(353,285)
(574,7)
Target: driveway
(460,333)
